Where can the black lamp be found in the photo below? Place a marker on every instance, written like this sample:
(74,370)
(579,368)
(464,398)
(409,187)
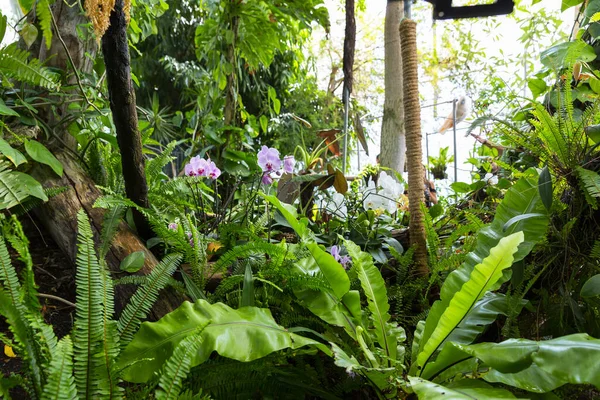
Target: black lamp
(442,9)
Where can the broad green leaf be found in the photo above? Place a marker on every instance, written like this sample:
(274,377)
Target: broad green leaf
(246,334)
(483,314)
(14,155)
(133,262)
(461,187)
(594,84)
(374,287)
(545,187)
(291,216)
(4,110)
(521,217)
(540,366)
(591,288)
(593,132)
(537,86)
(483,279)
(465,389)
(566,4)
(29,33)
(41,154)
(332,270)
(30,185)
(564,55)
(522,198)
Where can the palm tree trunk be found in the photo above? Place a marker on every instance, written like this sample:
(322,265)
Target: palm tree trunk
(416,173)
(393,141)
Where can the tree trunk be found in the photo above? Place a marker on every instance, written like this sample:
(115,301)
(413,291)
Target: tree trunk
(416,173)
(115,49)
(59,215)
(393,141)
(349,45)
(57,56)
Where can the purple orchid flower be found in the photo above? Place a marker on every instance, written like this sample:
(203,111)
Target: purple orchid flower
(266,179)
(288,164)
(268,159)
(213,171)
(344,260)
(173,226)
(197,167)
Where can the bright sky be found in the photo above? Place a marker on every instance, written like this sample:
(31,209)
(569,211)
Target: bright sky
(370,36)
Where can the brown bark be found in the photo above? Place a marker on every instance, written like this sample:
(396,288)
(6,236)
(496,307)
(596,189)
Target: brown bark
(59,215)
(414,150)
(57,56)
(349,45)
(115,49)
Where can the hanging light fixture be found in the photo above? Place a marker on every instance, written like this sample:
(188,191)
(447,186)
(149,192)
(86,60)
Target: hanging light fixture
(442,9)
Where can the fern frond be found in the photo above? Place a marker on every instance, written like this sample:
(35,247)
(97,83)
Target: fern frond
(60,383)
(87,330)
(178,366)
(110,225)
(143,299)
(595,252)
(108,381)
(14,64)
(155,165)
(248,249)
(43,12)
(589,182)
(140,280)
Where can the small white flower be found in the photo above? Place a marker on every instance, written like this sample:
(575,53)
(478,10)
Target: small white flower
(490,179)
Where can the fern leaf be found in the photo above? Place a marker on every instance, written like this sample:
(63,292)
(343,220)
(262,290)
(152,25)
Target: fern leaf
(155,166)
(110,225)
(32,202)
(589,181)
(87,330)
(44,15)
(108,380)
(61,384)
(14,64)
(143,299)
(178,366)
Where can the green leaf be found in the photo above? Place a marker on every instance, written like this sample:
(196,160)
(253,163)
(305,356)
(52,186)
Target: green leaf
(545,187)
(521,198)
(290,214)
(594,84)
(41,154)
(248,288)
(374,287)
(29,33)
(246,334)
(14,155)
(264,122)
(521,217)
(540,366)
(2,26)
(591,287)
(593,132)
(483,279)
(4,110)
(333,271)
(465,389)
(461,187)
(537,86)
(564,55)
(133,262)
(30,185)
(566,4)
